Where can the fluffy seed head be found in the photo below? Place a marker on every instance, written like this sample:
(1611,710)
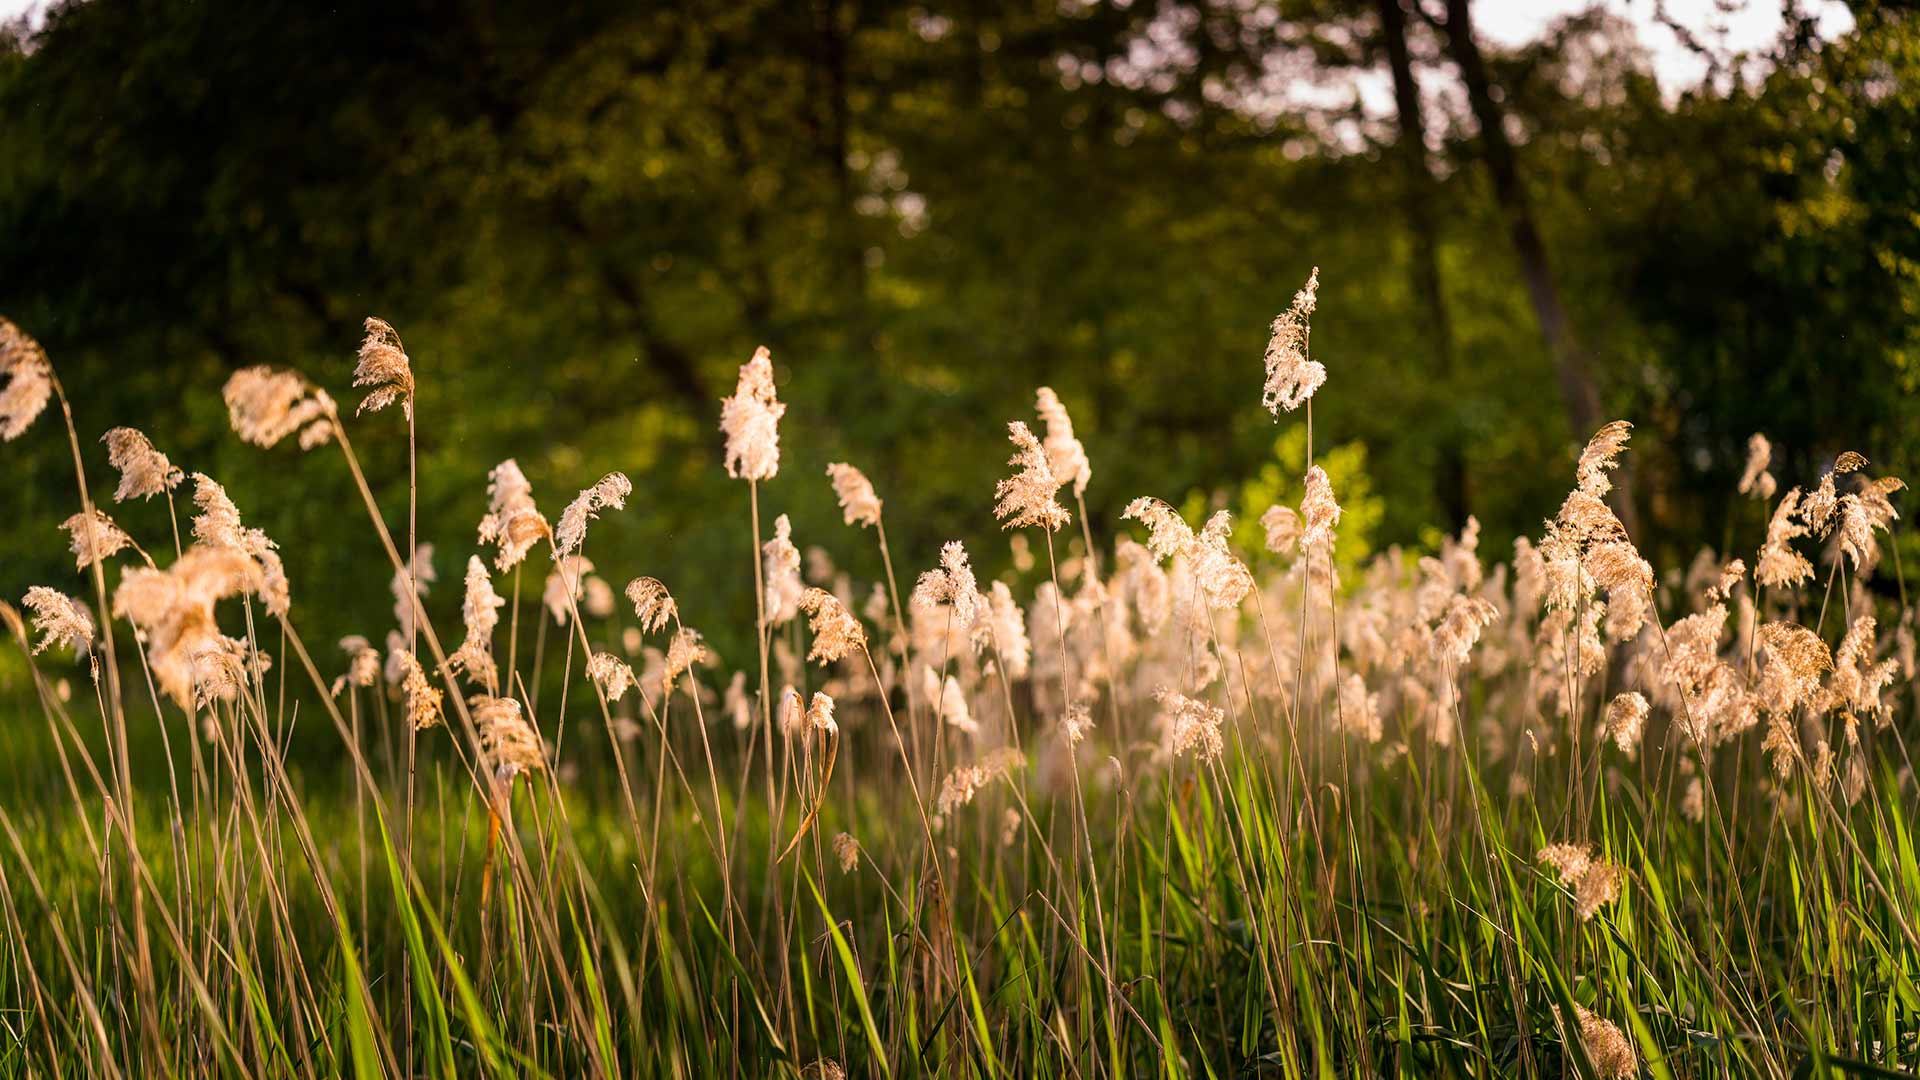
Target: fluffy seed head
(652,604)
(512,522)
(781,572)
(964,782)
(422,697)
(847,850)
(952,583)
(59,619)
(1189,725)
(1319,509)
(506,738)
(1065,456)
(1026,497)
(858,503)
(1755,480)
(751,421)
(1626,718)
(611,674)
(93,537)
(1283,528)
(384,366)
(1168,534)
(144,471)
(29,380)
(480,612)
(1600,456)
(1607,1046)
(685,650)
(265,406)
(1291,376)
(1778,564)
(610,491)
(835,630)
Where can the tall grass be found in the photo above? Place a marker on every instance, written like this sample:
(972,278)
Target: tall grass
(1180,808)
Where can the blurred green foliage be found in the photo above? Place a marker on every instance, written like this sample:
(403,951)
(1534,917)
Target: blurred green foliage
(582,217)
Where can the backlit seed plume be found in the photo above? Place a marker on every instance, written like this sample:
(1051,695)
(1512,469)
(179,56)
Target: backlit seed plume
(29,377)
(218,525)
(858,503)
(144,471)
(510,744)
(480,611)
(1005,630)
(265,406)
(1779,565)
(564,586)
(60,620)
(415,579)
(1796,662)
(1359,709)
(1626,718)
(952,583)
(835,631)
(751,421)
(1600,456)
(1755,480)
(512,522)
(1863,512)
(1190,726)
(1607,1046)
(422,698)
(611,674)
(1168,534)
(1026,497)
(363,664)
(652,604)
(1077,723)
(599,602)
(610,492)
(1460,627)
(964,782)
(1283,528)
(173,609)
(384,367)
(949,702)
(1857,678)
(93,537)
(1292,376)
(1319,510)
(780,560)
(1849,461)
(685,650)
(847,850)
(820,716)
(1065,456)
(1595,882)
(1220,574)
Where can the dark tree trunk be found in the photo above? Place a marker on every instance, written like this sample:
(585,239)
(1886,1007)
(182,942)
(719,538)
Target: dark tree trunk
(1417,193)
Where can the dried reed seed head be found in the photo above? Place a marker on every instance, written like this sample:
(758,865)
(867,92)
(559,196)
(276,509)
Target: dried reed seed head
(564,586)
(820,716)
(858,503)
(751,421)
(611,674)
(1755,480)
(384,366)
(1076,723)
(59,620)
(144,471)
(610,491)
(1849,461)
(421,697)
(1359,712)
(951,584)
(94,538)
(835,630)
(1222,577)
(781,573)
(1797,661)
(949,700)
(1190,726)
(29,380)
(1065,456)
(652,604)
(847,850)
(506,738)
(683,652)
(1168,534)
(1778,565)
(265,406)
(1460,628)
(1026,497)
(1626,719)
(1600,456)
(1283,528)
(1319,510)
(1607,1046)
(1004,630)
(1595,882)
(363,663)
(1292,376)
(963,783)
(479,612)
(512,522)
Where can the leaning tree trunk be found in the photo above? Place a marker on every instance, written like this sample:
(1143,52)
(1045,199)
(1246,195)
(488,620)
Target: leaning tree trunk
(1417,192)
(1570,365)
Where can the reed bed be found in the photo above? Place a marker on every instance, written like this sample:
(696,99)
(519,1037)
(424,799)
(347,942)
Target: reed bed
(1202,802)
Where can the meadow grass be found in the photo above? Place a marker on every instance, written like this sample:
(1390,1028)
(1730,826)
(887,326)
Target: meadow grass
(1179,807)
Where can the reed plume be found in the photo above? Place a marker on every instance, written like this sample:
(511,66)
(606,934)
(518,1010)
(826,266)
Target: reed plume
(29,380)
(144,471)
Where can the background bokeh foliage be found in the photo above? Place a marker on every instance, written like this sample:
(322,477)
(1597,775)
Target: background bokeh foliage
(582,217)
